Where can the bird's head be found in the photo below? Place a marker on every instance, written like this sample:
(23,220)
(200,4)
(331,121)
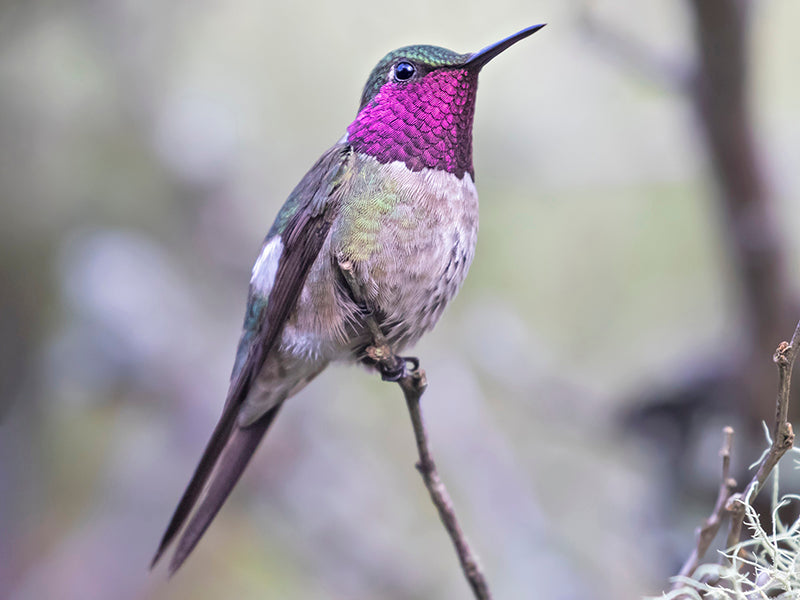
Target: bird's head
(418,106)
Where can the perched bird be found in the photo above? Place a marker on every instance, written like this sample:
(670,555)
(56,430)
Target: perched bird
(394,203)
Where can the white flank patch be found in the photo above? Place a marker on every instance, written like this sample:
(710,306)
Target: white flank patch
(267,266)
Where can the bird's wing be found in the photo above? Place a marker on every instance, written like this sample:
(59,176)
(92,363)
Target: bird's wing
(302,224)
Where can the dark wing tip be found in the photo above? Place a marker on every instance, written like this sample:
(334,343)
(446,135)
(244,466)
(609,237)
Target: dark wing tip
(230,449)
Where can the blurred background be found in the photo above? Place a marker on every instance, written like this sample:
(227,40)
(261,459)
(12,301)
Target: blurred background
(638,165)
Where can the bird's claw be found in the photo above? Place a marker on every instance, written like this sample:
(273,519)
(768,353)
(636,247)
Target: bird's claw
(399,369)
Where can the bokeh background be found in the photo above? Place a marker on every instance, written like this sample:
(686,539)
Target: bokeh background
(577,384)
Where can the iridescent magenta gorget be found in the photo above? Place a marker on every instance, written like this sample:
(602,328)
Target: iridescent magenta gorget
(423,123)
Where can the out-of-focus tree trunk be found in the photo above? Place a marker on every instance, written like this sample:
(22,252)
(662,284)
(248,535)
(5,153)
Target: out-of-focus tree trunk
(720,97)
(738,383)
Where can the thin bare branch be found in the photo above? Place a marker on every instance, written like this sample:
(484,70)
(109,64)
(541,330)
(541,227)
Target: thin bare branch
(782,437)
(413,384)
(707,533)
(734,503)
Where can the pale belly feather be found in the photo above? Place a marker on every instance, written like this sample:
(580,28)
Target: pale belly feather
(414,245)
(410,237)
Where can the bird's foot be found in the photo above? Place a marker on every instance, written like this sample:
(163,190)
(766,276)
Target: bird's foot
(391,366)
(399,369)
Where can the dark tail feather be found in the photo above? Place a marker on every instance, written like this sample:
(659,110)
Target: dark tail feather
(210,456)
(233,459)
(220,439)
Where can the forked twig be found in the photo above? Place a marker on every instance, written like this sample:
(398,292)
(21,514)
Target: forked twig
(707,533)
(782,438)
(734,503)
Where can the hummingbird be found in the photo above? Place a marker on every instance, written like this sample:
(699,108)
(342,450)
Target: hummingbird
(382,227)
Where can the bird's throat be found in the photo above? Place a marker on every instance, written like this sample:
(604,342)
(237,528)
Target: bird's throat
(425,124)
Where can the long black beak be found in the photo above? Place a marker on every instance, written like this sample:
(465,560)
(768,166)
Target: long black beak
(481,57)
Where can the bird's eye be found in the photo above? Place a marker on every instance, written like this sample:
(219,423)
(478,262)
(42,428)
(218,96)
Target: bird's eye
(404,71)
